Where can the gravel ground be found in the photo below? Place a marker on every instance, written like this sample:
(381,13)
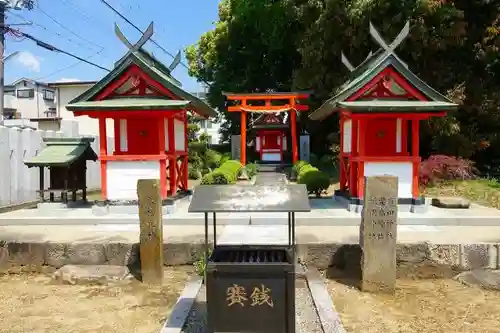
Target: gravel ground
(307,320)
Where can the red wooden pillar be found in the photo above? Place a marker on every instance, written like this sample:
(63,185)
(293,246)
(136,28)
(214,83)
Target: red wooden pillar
(243,138)
(361,155)
(353,175)
(103,152)
(172,164)
(341,155)
(186,150)
(293,130)
(415,147)
(163,159)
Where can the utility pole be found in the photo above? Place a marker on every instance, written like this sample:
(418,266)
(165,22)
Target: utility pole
(4,5)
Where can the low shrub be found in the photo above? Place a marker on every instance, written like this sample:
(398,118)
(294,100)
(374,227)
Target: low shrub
(193,173)
(316,181)
(227,173)
(212,158)
(313,159)
(216,177)
(298,165)
(224,158)
(251,169)
(438,168)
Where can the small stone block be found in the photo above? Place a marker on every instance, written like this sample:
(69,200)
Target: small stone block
(151,230)
(451,202)
(378,234)
(90,274)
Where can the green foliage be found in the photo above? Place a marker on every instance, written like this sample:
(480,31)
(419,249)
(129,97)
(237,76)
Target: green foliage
(313,159)
(212,158)
(225,158)
(227,173)
(200,265)
(251,169)
(194,173)
(316,181)
(298,166)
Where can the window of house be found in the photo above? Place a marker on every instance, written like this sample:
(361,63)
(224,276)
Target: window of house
(25,93)
(11,92)
(48,95)
(51,112)
(205,123)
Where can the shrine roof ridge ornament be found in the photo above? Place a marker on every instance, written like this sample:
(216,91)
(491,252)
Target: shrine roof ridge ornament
(388,49)
(146,36)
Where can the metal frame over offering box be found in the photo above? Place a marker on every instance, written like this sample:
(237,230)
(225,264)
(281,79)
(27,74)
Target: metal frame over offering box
(250,288)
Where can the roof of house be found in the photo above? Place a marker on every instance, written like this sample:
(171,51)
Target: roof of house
(71,83)
(368,70)
(29,80)
(63,152)
(156,70)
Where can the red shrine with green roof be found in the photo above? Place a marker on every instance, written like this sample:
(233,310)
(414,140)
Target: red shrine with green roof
(149,111)
(380,108)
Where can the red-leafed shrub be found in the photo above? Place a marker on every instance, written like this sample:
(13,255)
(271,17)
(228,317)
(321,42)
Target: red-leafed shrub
(439,168)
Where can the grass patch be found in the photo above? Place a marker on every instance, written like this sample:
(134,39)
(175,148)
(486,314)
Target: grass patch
(481,191)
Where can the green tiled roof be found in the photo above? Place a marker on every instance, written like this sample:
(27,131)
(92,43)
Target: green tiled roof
(156,70)
(396,105)
(366,71)
(63,152)
(128,103)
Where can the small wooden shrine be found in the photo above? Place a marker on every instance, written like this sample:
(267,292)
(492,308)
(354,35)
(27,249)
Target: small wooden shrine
(149,110)
(274,123)
(66,159)
(270,131)
(380,109)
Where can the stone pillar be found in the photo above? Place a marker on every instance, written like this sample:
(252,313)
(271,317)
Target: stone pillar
(151,230)
(305,148)
(378,234)
(235,147)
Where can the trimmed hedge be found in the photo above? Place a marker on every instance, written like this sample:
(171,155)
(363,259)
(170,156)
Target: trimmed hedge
(251,170)
(316,181)
(227,173)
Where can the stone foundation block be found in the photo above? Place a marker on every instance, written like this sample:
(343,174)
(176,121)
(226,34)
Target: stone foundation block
(87,254)
(56,254)
(121,253)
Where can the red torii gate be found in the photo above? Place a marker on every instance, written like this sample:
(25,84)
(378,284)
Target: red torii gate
(292,106)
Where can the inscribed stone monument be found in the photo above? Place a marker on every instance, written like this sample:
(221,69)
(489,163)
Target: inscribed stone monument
(151,230)
(378,234)
(304,148)
(235,147)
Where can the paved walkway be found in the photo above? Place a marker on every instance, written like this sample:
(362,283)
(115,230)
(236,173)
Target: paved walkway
(270,178)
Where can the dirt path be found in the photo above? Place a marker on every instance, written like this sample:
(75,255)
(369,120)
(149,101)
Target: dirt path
(31,303)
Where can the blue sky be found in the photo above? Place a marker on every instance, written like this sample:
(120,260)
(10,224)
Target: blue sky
(87,27)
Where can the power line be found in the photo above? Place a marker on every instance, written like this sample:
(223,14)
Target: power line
(54,32)
(64,68)
(66,28)
(52,48)
(84,14)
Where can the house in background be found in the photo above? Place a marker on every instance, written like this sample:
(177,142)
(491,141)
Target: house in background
(67,91)
(208,127)
(32,100)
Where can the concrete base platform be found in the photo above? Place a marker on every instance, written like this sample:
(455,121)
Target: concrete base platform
(406,208)
(321,247)
(325,212)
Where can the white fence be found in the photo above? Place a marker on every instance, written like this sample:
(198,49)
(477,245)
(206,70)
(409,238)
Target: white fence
(18,183)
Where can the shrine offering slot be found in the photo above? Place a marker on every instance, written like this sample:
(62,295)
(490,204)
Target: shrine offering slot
(251,289)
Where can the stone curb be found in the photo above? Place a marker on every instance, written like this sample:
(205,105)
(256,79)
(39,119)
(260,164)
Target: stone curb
(328,316)
(181,309)
(33,255)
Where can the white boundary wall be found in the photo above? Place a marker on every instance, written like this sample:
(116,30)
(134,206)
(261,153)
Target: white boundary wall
(18,183)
